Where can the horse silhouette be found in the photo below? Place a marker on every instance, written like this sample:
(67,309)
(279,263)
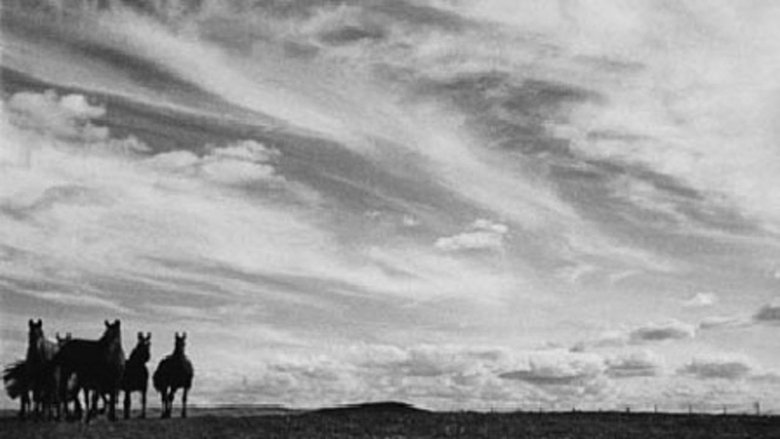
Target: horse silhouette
(98,366)
(73,387)
(38,363)
(15,379)
(136,376)
(174,372)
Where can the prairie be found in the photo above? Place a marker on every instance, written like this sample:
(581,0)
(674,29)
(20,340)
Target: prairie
(399,421)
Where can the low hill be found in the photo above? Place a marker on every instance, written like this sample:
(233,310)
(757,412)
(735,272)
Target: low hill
(390,407)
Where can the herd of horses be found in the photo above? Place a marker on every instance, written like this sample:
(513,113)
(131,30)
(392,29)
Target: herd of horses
(54,373)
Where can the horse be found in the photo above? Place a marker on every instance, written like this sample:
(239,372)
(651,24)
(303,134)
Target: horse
(136,376)
(40,353)
(174,372)
(72,383)
(15,379)
(98,366)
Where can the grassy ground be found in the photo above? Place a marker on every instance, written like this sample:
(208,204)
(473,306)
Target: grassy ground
(411,424)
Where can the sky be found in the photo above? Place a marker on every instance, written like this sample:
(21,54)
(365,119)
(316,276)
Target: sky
(458,204)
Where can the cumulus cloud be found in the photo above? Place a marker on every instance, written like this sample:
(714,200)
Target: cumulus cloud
(558,368)
(241,163)
(634,364)
(701,300)
(67,117)
(672,330)
(482,235)
(730,368)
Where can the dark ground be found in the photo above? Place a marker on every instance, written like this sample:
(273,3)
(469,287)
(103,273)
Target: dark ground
(398,421)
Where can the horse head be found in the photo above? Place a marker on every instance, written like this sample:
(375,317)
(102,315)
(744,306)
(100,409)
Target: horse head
(35,334)
(61,341)
(180,342)
(113,333)
(142,349)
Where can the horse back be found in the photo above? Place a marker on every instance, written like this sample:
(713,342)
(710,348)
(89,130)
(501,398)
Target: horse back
(96,364)
(173,371)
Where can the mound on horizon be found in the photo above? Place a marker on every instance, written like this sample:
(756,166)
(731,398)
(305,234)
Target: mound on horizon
(393,407)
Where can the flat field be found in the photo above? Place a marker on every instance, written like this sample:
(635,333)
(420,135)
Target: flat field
(238,423)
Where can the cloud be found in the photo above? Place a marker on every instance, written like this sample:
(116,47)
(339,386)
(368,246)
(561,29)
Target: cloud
(67,117)
(733,368)
(558,369)
(701,300)
(769,313)
(672,330)
(483,235)
(76,299)
(235,164)
(634,364)
(716,322)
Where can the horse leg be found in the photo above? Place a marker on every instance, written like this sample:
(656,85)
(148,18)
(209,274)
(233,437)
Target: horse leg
(184,402)
(171,395)
(112,407)
(163,402)
(93,405)
(24,404)
(36,401)
(78,411)
(143,403)
(87,405)
(127,404)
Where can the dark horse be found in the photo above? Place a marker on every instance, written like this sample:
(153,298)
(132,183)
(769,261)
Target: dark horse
(174,372)
(98,366)
(40,353)
(136,377)
(72,392)
(15,379)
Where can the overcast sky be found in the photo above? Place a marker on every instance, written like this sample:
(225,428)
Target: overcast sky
(452,203)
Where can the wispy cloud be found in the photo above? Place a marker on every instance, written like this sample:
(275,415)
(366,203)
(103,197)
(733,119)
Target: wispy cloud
(483,235)
(701,300)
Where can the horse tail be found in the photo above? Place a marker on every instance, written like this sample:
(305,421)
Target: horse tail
(15,379)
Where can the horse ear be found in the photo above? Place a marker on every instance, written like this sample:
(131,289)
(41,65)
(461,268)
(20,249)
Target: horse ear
(108,325)
(116,323)
(31,323)
(148,336)
(40,322)
(183,335)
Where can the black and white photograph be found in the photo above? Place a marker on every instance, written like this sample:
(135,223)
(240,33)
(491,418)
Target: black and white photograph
(343,219)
